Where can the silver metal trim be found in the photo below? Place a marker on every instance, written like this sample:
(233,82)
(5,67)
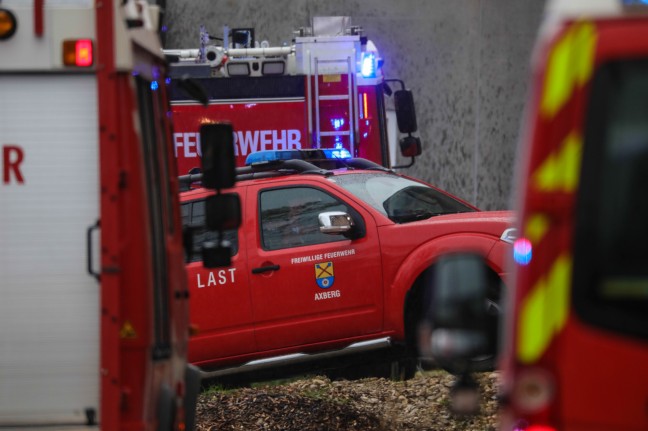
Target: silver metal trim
(509,235)
(297,358)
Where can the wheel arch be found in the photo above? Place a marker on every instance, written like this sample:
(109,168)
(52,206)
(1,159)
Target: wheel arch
(411,278)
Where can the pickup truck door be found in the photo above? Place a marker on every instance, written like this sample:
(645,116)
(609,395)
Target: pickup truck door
(309,287)
(220,306)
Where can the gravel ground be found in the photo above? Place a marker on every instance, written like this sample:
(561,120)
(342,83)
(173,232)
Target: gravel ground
(317,403)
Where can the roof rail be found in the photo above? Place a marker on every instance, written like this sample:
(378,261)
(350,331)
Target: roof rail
(262,170)
(296,165)
(276,168)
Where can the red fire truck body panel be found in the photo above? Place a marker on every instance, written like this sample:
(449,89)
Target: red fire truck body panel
(258,126)
(577,353)
(328,93)
(277,124)
(599,409)
(289,298)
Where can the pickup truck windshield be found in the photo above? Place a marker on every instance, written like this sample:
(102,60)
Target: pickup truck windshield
(400,199)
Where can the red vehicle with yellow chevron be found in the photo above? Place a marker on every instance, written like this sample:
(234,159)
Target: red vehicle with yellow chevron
(576,338)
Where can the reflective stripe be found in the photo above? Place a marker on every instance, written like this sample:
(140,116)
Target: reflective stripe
(570,64)
(544,311)
(536,227)
(559,172)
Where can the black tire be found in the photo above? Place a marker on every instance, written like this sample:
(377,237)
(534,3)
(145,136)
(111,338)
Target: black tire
(404,369)
(397,369)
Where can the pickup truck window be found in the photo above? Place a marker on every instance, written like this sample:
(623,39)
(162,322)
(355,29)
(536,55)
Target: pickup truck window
(289,217)
(400,199)
(611,232)
(193,214)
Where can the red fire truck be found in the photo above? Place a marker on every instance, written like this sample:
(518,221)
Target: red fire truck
(325,90)
(94,309)
(576,350)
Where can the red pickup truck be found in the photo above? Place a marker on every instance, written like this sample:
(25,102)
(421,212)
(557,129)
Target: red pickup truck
(328,266)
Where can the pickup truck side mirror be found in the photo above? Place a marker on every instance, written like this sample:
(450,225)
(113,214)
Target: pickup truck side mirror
(335,222)
(340,223)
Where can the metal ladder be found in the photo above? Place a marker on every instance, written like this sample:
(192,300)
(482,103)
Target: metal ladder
(351,96)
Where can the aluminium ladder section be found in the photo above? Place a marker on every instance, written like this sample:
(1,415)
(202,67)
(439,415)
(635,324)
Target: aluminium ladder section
(351,96)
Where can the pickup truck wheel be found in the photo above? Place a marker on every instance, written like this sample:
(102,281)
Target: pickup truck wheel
(403,369)
(395,369)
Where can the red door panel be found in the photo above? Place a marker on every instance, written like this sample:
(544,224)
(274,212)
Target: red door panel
(308,287)
(220,305)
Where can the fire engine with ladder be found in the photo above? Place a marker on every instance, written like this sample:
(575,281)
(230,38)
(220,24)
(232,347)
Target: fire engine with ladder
(326,90)
(94,309)
(576,331)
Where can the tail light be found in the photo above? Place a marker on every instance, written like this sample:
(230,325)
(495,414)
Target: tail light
(78,52)
(533,391)
(541,428)
(531,398)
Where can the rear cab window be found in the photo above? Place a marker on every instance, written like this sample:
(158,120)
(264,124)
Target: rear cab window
(193,216)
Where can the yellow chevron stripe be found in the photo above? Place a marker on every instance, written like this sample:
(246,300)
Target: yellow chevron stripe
(559,172)
(570,64)
(536,227)
(544,311)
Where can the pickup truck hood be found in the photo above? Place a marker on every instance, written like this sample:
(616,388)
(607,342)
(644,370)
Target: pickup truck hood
(471,227)
(488,222)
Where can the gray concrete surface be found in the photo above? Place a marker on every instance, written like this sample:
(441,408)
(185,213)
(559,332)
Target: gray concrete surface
(467,62)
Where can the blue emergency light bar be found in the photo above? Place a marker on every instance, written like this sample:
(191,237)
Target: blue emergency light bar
(313,154)
(368,67)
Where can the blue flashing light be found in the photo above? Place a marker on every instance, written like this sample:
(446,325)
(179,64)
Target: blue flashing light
(337,153)
(522,251)
(368,67)
(167,80)
(270,155)
(314,154)
(337,123)
(154,85)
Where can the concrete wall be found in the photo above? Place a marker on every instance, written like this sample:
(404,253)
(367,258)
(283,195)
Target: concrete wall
(467,62)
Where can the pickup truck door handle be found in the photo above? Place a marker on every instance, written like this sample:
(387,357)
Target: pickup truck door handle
(265,269)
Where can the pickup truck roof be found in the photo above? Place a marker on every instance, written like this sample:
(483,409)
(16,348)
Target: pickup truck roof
(277,168)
